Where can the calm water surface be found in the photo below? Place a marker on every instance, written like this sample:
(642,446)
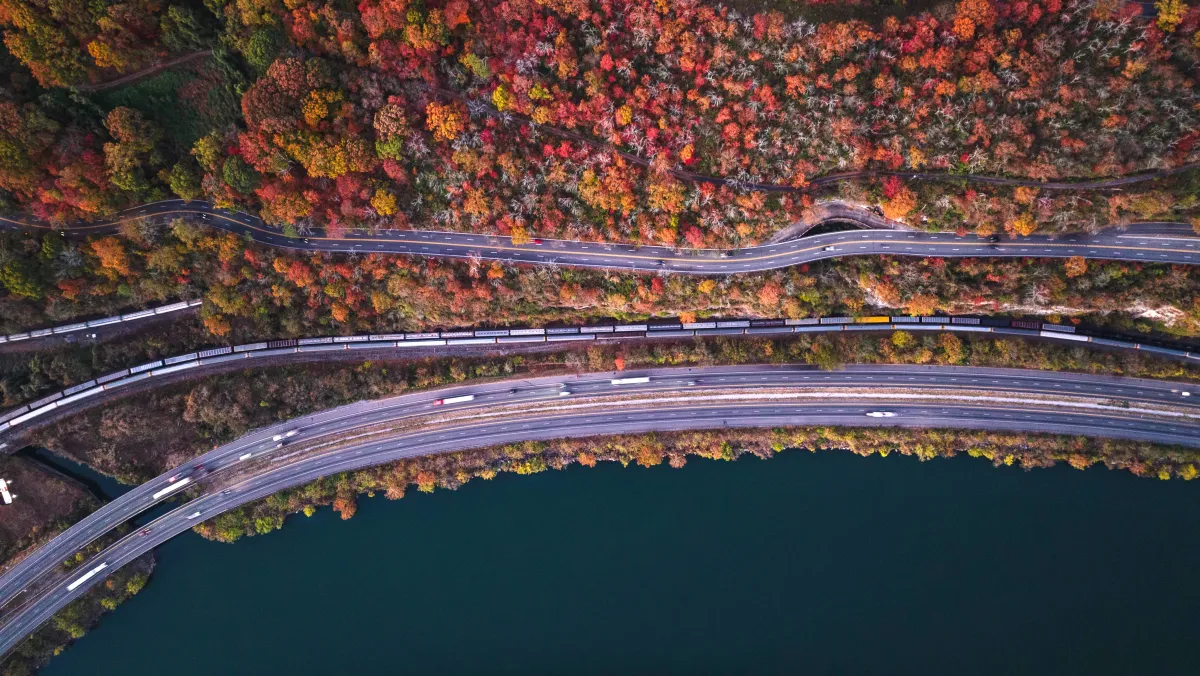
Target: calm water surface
(824,563)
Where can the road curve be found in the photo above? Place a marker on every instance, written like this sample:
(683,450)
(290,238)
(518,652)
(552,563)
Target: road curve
(758,399)
(1145,243)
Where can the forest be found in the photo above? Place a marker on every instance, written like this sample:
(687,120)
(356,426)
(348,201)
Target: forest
(592,119)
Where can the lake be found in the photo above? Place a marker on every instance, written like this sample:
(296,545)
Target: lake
(808,563)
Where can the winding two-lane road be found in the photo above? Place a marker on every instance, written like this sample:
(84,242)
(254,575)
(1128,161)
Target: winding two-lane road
(1144,242)
(746,396)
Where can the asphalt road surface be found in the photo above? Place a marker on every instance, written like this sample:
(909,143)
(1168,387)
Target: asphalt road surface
(34,589)
(1143,242)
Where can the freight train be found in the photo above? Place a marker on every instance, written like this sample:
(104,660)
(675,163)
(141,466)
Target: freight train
(652,329)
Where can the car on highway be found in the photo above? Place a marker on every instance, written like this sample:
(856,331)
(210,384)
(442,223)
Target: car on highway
(726,254)
(881,414)
(691,382)
(828,248)
(660,262)
(227,491)
(537,241)
(144,532)
(193,515)
(175,477)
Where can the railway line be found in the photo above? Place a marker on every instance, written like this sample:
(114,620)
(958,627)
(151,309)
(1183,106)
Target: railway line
(310,348)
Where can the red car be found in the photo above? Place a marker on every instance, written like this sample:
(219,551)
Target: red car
(536,241)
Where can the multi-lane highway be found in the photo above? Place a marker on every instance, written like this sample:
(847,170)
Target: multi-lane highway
(1145,242)
(588,405)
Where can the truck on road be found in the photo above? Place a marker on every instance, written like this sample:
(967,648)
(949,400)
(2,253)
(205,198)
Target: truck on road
(630,381)
(454,400)
(172,488)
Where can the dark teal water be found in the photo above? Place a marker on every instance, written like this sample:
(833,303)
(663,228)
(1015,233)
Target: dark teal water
(815,564)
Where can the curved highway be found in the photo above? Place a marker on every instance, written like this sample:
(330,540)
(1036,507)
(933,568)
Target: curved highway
(755,396)
(1145,242)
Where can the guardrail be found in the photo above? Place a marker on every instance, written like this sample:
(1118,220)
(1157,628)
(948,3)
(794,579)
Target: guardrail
(566,334)
(116,319)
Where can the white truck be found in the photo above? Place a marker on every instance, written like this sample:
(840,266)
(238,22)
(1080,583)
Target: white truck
(86,576)
(630,381)
(172,488)
(454,400)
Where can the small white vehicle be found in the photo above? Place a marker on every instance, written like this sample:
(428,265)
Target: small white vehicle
(564,393)
(193,515)
(828,248)
(1185,394)
(281,437)
(881,414)
(245,456)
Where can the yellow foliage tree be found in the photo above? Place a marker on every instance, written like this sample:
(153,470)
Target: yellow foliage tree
(921,304)
(105,56)
(1023,225)
(502,98)
(519,235)
(1076,266)
(446,121)
(217,325)
(384,202)
(112,255)
(900,205)
(1170,14)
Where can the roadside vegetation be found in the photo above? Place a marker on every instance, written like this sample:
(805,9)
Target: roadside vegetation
(450,471)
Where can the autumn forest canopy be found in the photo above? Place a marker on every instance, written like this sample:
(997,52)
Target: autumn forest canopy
(581,119)
(508,116)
